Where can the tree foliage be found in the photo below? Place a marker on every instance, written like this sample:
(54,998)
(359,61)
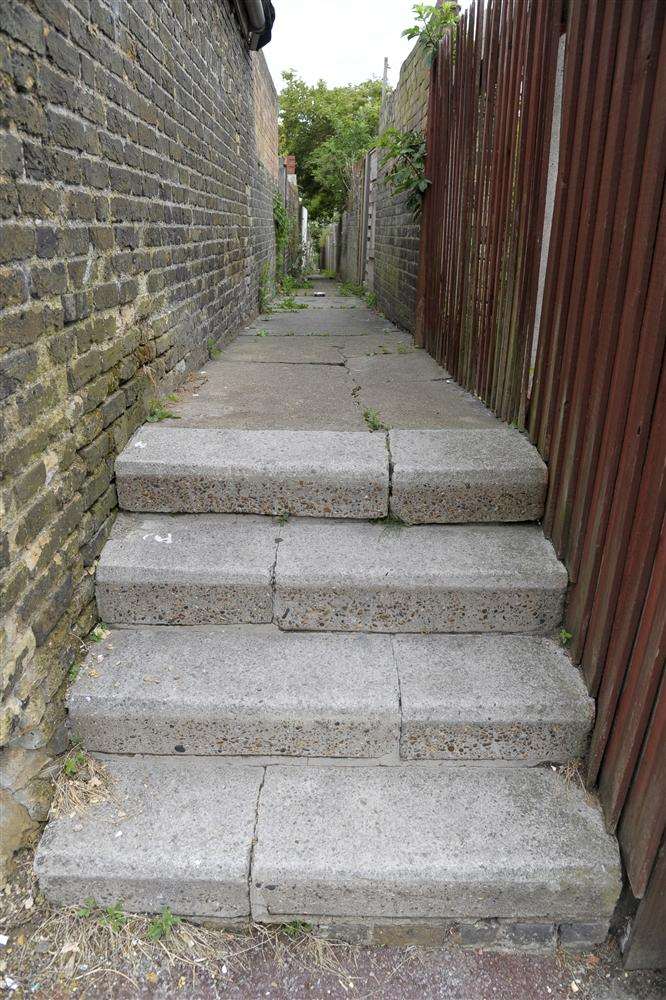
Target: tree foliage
(327,129)
(431,23)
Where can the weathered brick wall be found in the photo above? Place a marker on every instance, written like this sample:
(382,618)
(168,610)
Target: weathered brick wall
(350,229)
(397,234)
(135,216)
(265,101)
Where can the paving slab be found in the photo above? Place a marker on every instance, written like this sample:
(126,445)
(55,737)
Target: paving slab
(372,343)
(422,404)
(187,569)
(499,697)
(313,473)
(276,396)
(281,350)
(238,690)
(321,322)
(460,474)
(413,366)
(330,300)
(351,576)
(457,843)
(174,833)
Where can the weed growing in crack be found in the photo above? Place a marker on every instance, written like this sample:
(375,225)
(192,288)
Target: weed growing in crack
(213,349)
(158,411)
(262,333)
(99,633)
(295,929)
(162,926)
(289,304)
(373,420)
(390,523)
(565,637)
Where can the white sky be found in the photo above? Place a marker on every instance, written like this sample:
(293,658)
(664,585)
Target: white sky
(339,41)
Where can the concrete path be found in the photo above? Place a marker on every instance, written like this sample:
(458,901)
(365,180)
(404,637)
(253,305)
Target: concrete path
(321,368)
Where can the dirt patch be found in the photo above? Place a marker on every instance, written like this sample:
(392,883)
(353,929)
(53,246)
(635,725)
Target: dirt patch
(93,952)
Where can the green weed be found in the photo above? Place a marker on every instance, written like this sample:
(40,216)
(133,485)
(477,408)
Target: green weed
(295,929)
(99,633)
(213,349)
(371,299)
(373,420)
(565,637)
(289,304)
(162,926)
(74,761)
(262,333)
(158,411)
(348,288)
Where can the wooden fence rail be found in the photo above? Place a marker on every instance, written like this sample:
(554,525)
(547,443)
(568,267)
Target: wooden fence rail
(592,325)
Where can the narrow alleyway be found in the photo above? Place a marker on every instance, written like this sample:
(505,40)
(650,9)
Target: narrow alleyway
(283,750)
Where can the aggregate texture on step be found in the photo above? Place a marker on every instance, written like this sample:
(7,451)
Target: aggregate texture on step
(465,475)
(349,576)
(173,832)
(238,690)
(513,843)
(490,697)
(309,473)
(187,569)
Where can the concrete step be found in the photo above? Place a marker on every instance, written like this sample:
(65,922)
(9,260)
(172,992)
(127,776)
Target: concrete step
(350,576)
(329,575)
(208,839)
(200,470)
(238,690)
(255,691)
(465,475)
(187,569)
(407,843)
(490,697)
(174,832)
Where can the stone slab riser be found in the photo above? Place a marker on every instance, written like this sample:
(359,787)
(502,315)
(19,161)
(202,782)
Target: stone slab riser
(435,477)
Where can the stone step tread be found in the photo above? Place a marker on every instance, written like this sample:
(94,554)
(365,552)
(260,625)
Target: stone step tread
(328,841)
(253,690)
(238,690)
(357,576)
(466,474)
(174,832)
(314,473)
(459,843)
(190,569)
(326,575)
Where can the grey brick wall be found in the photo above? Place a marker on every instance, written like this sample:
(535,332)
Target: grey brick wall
(397,234)
(350,230)
(136,194)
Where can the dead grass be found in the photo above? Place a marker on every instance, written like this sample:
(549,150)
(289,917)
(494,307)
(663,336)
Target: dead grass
(92,950)
(80,782)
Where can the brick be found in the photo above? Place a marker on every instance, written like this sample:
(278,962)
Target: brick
(13,287)
(23,327)
(11,155)
(16,242)
(21,24)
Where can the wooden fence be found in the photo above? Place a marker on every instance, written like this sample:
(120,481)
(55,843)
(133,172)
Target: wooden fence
(569,344)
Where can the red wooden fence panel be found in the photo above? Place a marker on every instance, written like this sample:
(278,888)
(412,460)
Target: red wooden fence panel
(596,409)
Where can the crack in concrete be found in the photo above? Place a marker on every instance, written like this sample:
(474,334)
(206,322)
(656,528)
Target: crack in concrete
(253,842)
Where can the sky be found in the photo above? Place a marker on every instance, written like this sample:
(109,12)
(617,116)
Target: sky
(339,41)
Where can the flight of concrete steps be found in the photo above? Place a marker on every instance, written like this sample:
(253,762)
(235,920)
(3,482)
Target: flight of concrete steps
(348,716)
